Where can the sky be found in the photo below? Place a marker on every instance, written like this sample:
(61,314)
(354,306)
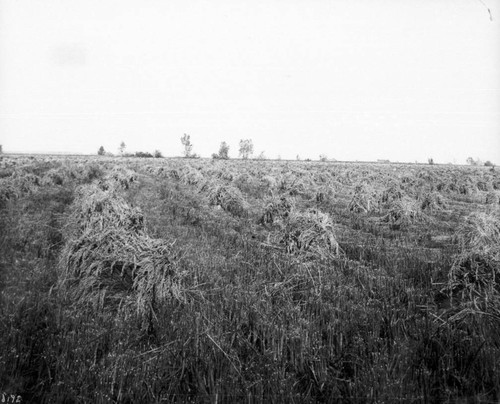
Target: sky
(363,80)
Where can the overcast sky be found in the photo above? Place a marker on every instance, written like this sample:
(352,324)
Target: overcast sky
(403,80)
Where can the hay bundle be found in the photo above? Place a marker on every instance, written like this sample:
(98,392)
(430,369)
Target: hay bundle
(433,201)
(228,198)
(324,193)
(309,233)
(363,199)
(484,185)
(475,273)
(480,234)
(53,177)
(121,176)
(8,191)
(404,212)
(492,198)
(109,259)
(174,174)
(191,176)
(276,209)
(292,185)
(391,193)
(269,181)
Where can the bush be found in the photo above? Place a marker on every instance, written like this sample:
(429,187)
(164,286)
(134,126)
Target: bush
(143,154)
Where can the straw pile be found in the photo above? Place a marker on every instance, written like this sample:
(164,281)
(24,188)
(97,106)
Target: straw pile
(403,212)
(433,202)
(324,193)
(492,198)
(363,199)
(109,260)
(480,234)
(190,176)
(391,193)
(309,233)
(121,176)
(475,273)
(227,197)
(277,208)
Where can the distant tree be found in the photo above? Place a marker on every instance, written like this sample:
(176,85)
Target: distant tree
(122,148)
(158,154)
(101,151)
(261,156)
(246,148)
(472,162)
(223,152)
(487,164)
(430,160)
(297,158)
(1,151)
(188,146)
(323,157)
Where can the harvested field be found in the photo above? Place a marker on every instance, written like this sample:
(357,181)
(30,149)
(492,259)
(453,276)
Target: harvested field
(168,280)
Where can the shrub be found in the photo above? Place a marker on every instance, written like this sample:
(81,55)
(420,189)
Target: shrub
(143,154)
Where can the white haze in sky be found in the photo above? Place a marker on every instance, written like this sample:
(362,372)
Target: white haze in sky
(403,80)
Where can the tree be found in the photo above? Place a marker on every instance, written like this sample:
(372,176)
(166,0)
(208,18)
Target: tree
(101,151)
(430,160)
(261,156)
(224,151)
(158,154)
(246,148)
(473,162)
(188,147)
(1,151)
(122,148)
(323,157)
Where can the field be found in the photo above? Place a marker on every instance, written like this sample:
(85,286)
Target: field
(190,280)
